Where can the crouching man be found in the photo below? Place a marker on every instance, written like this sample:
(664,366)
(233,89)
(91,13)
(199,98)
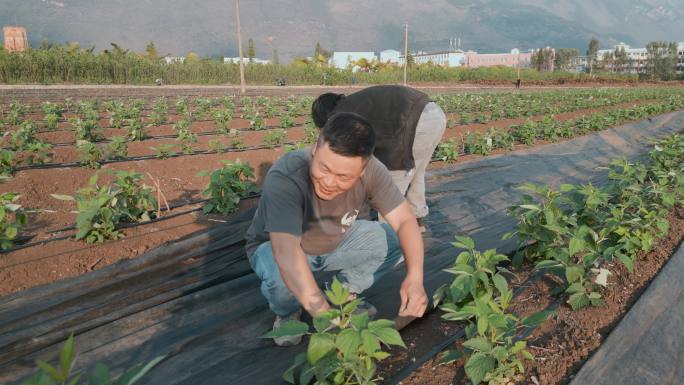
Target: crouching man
(306,223)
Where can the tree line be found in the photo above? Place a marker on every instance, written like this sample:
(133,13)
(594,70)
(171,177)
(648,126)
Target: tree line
(70,63)
(659,63)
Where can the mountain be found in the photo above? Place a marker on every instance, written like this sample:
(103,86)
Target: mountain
(294,26)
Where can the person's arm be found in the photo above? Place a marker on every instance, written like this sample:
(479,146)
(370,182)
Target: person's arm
(414,300)
(296,273)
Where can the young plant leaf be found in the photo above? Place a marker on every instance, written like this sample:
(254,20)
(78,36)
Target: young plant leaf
(389,336)
(478,344)
(288,329)
(319,345)
(478,365)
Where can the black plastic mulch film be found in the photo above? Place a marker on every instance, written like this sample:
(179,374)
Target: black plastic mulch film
(197,301)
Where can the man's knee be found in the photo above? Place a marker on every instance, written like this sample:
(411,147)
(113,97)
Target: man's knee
(373,232)
(385,240)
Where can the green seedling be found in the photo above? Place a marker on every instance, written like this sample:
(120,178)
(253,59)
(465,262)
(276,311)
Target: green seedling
(227,185)
(344,346)
(12,219)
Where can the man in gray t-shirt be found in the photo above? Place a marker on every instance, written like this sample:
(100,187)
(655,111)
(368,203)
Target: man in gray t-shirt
(306,222)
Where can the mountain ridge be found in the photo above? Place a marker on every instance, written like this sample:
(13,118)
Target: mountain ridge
(293,27)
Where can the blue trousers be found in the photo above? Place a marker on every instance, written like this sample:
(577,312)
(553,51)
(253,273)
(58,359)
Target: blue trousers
(368,251)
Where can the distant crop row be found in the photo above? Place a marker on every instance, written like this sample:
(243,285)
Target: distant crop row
(549,129)
(23,146)
(481,143)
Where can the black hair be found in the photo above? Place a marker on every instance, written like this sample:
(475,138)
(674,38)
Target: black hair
(348,134)
(323,106)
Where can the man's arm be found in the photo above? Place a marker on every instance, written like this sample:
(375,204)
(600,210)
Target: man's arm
(413,297)
(296,273)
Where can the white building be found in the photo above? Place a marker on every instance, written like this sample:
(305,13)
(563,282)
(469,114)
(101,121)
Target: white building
(441,58)
(390,56)
(636,58)
(579,64)
(236,60)
(343,60)
(680,56)
(174,59)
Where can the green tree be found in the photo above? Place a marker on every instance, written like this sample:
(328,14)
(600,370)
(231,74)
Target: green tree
(72,47)
(274,58)
(117,50)
(45,44)
(410,60)
(592,50)
(251,51)
(192,58)
(317,50)
(537,59)
(621,61)
(151,51)
(320,51)
(608,61)
(565,58)
(543,59)
(661,59)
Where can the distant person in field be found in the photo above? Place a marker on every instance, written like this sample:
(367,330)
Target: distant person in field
(306,222)
(408,126)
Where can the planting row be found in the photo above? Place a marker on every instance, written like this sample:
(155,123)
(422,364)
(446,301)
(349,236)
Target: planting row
(548,129)
(118,114)
(463,108)
(25,148)
(518,104)
(572,233)
(139,204)
(102,208)
(181,104)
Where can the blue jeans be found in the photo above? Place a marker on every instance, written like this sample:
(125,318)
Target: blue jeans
(369,250)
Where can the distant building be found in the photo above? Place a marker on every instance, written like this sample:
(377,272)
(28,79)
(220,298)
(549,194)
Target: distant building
(174,59)
(16,38)
(344,60)
(390,56)
(513,59)
(441,58)
(579,64)
(236,60)
(637,59)
(680,56)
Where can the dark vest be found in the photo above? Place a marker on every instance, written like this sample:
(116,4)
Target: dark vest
(393,111)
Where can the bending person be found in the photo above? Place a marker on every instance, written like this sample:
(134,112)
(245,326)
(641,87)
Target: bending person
(408,126)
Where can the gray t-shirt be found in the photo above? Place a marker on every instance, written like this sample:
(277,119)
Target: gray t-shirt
(288,204)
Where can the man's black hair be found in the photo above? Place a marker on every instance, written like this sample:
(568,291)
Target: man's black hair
(323,106)
(348,134)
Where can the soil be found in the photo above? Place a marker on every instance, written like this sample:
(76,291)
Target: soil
(563,343)
(62,258)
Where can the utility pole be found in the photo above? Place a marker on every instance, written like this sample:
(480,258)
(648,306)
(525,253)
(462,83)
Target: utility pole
(405,51)
(239,37)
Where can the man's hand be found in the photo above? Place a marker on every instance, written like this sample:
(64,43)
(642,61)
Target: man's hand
(414,300)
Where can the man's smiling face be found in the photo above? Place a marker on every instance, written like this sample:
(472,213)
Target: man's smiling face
(333,174)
